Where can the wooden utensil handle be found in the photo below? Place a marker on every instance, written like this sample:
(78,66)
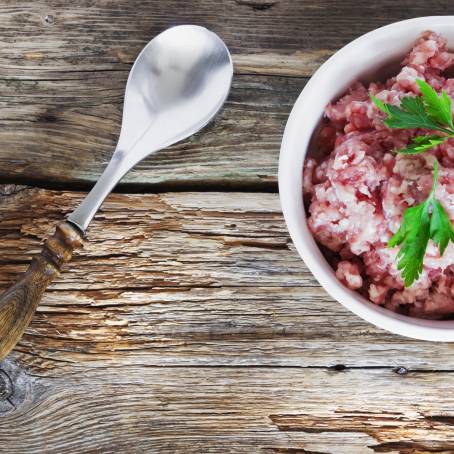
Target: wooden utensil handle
(19,302)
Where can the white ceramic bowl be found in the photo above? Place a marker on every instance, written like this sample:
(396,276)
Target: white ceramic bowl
(372,56)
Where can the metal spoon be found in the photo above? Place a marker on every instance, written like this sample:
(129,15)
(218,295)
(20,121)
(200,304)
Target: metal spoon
(178,83)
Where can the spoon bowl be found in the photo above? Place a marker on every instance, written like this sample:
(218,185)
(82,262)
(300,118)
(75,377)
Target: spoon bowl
(177,84)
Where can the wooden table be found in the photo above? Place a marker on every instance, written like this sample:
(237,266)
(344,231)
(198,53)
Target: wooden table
(189,323)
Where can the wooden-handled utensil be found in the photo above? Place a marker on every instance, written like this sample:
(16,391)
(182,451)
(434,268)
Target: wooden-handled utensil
(177,84)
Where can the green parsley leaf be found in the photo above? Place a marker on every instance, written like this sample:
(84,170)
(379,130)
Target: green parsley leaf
(412,236)
(422,222)
(438,107)
(420,144)
(428,111)
(410,115)
(441,229)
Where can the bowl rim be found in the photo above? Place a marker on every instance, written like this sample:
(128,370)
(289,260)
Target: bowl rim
(422,329)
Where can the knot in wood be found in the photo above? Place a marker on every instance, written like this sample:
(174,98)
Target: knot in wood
(48,19)
(6,386)
(401,370)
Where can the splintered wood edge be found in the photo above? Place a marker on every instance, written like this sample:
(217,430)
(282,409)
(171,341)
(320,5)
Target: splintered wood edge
(209,278)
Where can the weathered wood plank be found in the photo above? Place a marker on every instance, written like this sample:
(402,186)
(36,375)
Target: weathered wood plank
(163,242)
(189,324)
(104,34)
(142,409)
(188,279)
(62,82)
(64,130)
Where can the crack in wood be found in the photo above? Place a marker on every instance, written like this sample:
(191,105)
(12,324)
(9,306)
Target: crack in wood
(293,451)
(387,429)
(409,447)
(258,5)
(444,419)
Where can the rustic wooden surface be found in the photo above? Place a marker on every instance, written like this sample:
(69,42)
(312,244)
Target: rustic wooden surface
(188,323)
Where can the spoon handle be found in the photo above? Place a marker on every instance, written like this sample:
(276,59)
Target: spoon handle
(19,302)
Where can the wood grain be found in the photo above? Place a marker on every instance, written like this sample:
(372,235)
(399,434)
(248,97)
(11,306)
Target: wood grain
(64,130)
(189,324)
(107,34)
(62,82)
(187,279)
(143,409)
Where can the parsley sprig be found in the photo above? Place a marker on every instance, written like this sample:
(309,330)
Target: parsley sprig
(422,222)
(428,111)
(428,220)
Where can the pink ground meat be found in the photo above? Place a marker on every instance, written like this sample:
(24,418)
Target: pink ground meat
(358,187)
